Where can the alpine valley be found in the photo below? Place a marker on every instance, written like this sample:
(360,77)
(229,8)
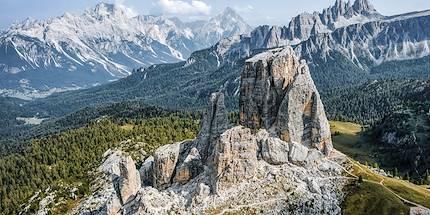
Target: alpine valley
(109,112)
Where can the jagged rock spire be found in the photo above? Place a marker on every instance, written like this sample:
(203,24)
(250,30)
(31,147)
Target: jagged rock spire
(278,94)
(214,123)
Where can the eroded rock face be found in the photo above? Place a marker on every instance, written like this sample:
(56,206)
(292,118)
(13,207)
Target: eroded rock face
(298,153)
(129,180)
(278,94)
(165,159)
(271,163)
(146,171)
(264,82)
(190,168)
(119,185)
(214,123)
(233,159)
(275,151)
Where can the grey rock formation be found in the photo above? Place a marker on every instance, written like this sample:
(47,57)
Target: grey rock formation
(128,181)
(263,85)
(165,159)
(190,168)
(298,153)
(275,151)
(363,7)
(146,171)
(278,94)
(214,123)
(119,184)
(254,165)
(233,159)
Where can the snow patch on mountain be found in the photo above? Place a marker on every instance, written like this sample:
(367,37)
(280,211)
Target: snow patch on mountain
(105,42)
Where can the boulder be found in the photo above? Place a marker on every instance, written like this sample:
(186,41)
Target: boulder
(121,182)
(313,186)
(165,159)
(129,180)
(298,153)
(275,151)
(314,155)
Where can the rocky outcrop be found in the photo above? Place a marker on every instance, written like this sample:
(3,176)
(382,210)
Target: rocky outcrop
(165,159)
(128,182)
(214,123)
(278,94)
(275,151)
(298,153)
(123,173)
(146,171)
(233,159)
(190,168)
(263,85)
(271,163)
(119,184)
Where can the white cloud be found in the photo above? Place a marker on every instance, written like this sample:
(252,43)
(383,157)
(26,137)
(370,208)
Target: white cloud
(244,9)
(129,10)
(183,7)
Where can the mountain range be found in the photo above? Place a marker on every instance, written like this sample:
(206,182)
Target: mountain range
(288,102)
(354,53)
(103,44)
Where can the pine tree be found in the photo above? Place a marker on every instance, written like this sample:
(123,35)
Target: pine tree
(427,177)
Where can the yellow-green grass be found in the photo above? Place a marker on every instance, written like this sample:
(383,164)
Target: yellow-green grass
(347,139)
(371,198)
(409,191)
(345,127)
(127,127)
(405,189)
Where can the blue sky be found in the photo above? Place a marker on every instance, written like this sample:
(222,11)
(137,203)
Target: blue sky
(255,12)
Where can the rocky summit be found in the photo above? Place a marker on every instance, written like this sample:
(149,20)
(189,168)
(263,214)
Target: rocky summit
(278,160)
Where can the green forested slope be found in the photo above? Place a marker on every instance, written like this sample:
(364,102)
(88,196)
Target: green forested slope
(69,155)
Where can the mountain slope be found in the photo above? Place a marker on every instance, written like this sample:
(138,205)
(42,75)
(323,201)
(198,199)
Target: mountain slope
(187,84)
(103,44)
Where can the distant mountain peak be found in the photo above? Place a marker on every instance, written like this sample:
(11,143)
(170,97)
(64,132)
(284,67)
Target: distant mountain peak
(226,23)
(102,44)
(364,7)
(102,10)
(229,11)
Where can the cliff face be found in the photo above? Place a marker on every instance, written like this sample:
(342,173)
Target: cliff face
(275,161)
(278,94)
